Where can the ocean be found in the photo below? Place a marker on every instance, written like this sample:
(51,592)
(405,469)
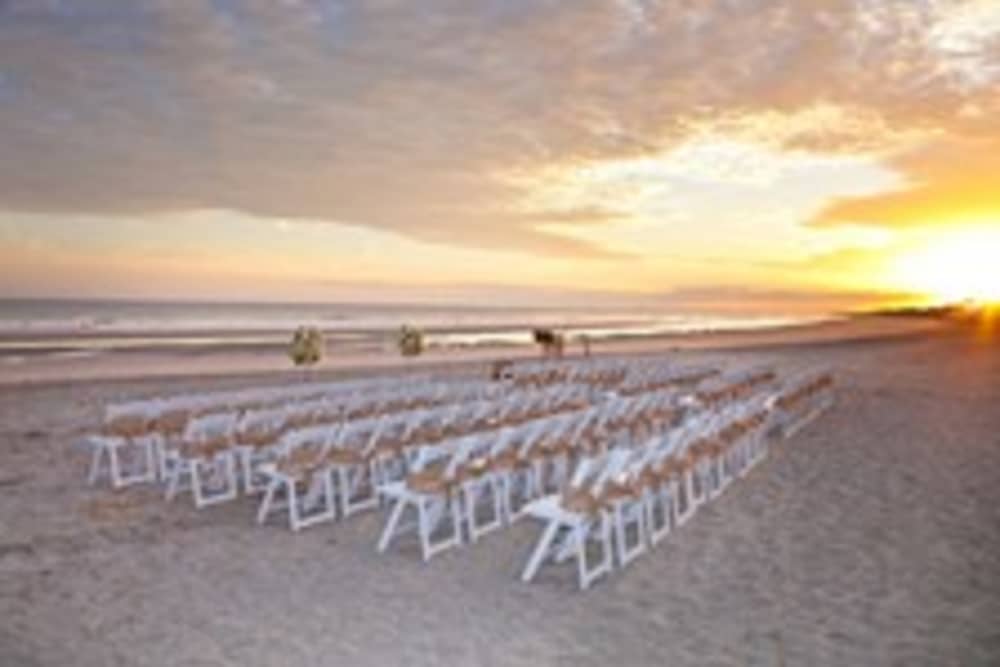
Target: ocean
(87,327)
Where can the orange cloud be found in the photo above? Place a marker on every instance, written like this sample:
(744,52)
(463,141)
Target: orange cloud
(953,181)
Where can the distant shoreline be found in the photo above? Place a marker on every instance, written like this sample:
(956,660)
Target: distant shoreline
(27,343)
(270,359)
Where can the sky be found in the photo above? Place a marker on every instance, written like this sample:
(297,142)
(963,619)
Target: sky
(806,154)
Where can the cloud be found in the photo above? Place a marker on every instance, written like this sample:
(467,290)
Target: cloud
(951,182)
(722,298)
(409,117)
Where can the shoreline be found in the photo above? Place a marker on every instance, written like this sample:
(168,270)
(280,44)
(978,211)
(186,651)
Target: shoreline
(42,341)
(271,361)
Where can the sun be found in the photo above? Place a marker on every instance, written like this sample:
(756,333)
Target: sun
(958,266)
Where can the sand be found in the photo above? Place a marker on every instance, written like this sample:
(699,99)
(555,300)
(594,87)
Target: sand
(872,537)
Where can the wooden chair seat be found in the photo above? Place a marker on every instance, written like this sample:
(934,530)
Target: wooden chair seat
(669,469)
(505,460)
(346,456)
(127,427)
(299,463)
(258,438)
(580,501)
(208,448)
(475,468)
(393,447)
(618,491)
(431,480)
(171,423)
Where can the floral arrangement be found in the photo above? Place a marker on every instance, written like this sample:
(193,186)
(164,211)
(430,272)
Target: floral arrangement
(410,341)
(307,346)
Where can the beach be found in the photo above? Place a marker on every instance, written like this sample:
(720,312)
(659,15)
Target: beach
(219,353)
(871,537)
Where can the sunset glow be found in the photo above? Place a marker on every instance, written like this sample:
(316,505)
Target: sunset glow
(803,155)
(963,265)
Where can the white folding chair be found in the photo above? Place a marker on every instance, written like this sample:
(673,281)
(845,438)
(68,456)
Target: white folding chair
(206,458)
(430,490)
(300,479)
(569,526)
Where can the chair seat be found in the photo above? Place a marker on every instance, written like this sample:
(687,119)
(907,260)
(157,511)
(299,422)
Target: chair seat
(615,492)
(171,423)
(127,427)
(430,480)
(258,439)
(208,448)
(345,456)
(298,463)
(505,460)
(475,469)
(580,501)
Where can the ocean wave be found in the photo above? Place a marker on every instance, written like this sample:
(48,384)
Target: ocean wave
(76,329)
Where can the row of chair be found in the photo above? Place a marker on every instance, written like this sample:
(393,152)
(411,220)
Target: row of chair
(630,498)
(333,470)
(805,398)
(484,481)
(133,450)
(138,417)
(467,477)
(142,431)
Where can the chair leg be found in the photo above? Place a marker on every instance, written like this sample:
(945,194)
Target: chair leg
(232,479)
(686,489)
(293,504)
(472,493)
(196,483)
(698,491)
(223,463)
(265,505)
(537,479)
(470,498)
(498,510)
(581,556)
(607,562)
(717,476)
(114,467)
(245,455)
(145,464)
(560,471)
(152,468)
(626,553)
(346,488)
(506,500)
(455,506)
(663,500)
(390,527)
(95,463)
(160,452)
(320,491)
(177,471)
(517,494)
(587,576)
(541,551)
(429,519)
(424,528)
(144,460)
